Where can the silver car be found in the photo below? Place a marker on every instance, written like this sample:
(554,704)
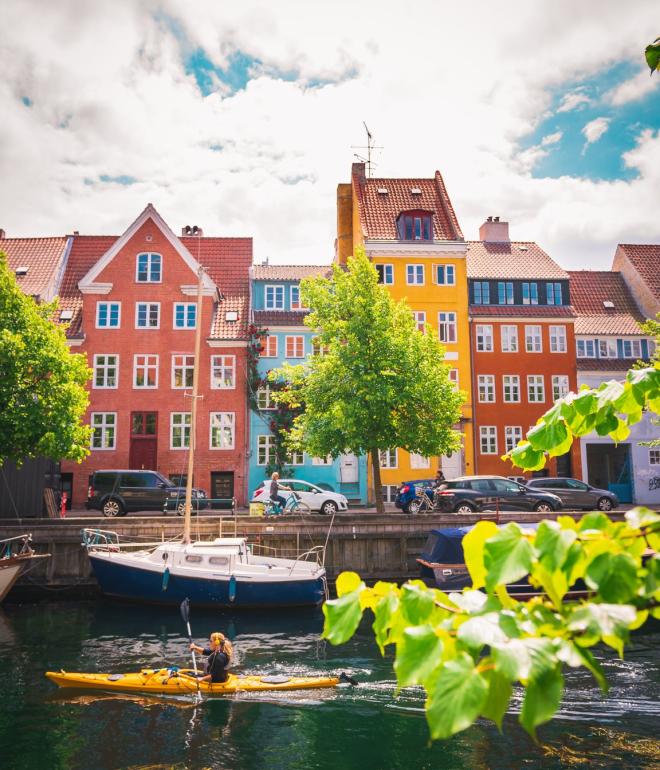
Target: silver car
(577,494)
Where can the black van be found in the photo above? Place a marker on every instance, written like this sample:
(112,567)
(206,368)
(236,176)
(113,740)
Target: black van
(115,493)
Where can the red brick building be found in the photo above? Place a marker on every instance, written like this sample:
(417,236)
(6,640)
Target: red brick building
(522,343)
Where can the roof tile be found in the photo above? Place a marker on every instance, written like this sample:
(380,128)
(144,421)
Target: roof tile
(289,272)
(280,317)
(513,259)
(523,311)
(43,258)
(590,289)
(645,258)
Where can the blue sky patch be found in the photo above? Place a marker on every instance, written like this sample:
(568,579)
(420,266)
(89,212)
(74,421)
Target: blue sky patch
(123,179)
(601,159)
(27,101)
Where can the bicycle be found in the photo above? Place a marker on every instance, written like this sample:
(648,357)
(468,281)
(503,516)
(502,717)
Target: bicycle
(426,500)
(293,505)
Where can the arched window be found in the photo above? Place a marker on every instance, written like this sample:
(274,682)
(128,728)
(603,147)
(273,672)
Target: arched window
(415,226)
(148,268)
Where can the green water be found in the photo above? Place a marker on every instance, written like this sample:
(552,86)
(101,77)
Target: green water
(360,728)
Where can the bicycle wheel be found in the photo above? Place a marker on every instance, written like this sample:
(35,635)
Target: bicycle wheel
(301,507)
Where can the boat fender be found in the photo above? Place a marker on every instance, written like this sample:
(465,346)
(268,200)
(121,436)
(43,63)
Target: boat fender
(166,578)
(232,588)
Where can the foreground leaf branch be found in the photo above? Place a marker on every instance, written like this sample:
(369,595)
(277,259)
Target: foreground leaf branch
(468,650)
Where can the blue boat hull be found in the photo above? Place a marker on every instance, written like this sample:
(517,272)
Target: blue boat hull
(147,586)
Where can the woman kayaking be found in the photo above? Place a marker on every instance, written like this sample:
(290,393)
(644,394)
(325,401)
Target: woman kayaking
(218,655)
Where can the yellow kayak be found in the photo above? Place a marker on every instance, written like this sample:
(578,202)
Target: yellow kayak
(168,681)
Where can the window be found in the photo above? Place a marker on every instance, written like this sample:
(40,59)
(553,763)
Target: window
(222,430)
(106,371)
(179,430)
(481,293)
(505,292)
(274,297)
(148,268)
(182,371)
(185,315)
(485,338)
(269,347)
(415,227)
(557,339)
(389,458)
(223,372)
(294,298)
(607,349)
(453,378)
(145,371)
(318,349)
(533,340)
(530,294)
(445,275)
(509,338)
(103,430)
(147,315)
(108,315)
(385,274)
(295,346)
(488,439)
(419,461)
(265,450)
(263,398)
(632,349)
(486,387)
(420,319)
(553,293)
(296,458)
(654,456)
(511,388)
(586,348)
(535,389)
(447,327)
(327,460)
(389,492)
(559,386)
(512,435)
(415,275)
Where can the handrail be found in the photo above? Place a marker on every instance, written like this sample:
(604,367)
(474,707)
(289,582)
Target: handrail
(7,549)
(315,550)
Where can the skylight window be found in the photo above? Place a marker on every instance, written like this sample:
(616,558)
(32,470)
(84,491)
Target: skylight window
(415,191)
(231,315)
(608,304)
(382,190)
(66,315)
(20,271)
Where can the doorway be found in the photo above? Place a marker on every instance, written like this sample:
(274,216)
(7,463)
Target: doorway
(66,485)
(609,467)
(222,489)
(144,441)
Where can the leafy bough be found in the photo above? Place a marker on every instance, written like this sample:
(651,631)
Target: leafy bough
(469,649)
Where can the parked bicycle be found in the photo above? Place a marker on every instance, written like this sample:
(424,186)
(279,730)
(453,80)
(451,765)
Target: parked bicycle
(294,504)
(425,500)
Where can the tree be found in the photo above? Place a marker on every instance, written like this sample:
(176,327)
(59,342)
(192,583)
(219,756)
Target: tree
(42,389)
(652,55)
(380,383)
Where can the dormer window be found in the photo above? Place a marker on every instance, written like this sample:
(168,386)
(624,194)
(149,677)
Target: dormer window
(148,269)
(415,226)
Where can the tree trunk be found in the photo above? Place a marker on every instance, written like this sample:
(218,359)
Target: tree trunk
(378,489)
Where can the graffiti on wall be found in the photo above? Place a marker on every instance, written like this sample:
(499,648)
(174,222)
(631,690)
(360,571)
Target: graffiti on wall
(654,483)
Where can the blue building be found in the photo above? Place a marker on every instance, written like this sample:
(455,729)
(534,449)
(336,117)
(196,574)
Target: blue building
(276,309)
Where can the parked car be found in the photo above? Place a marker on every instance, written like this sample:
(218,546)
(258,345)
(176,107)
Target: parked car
(576,494)
(116,492)
(486,493)
(407,492)
(317,498)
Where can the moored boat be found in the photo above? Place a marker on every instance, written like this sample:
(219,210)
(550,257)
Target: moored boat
(15,555)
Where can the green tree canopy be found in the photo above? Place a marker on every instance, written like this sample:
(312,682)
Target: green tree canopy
(380,383)
(652,55)
(42,387)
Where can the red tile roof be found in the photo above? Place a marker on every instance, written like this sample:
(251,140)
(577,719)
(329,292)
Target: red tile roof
(43,258)
(289,272)
(379,211)
(514,259)
(523,311)
(645,258)
(589,289)
(603,364)
(280,317)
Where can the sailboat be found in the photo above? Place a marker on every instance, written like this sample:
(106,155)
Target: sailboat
(225,572)
(15,555)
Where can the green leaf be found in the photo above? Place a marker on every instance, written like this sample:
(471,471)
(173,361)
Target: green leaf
(508,556)
(609,622)
(342,617)
(589,662)
(417,602)
(652,55)
(527,458)
(499,695)
(522,659)
(456,697)
(383,612)
(347,582)
(614,576)
(418,654)
(595,521)
(641,517)
(552,544)
(473,550)
(481,630)
(621,432)
(542,699)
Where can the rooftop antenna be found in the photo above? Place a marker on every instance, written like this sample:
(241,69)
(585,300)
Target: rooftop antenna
(369,147)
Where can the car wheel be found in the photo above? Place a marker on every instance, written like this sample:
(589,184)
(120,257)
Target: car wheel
(604,504)
(329,507)
(413,507)
(544,508)
(113,507)
(181,509)
(464,508)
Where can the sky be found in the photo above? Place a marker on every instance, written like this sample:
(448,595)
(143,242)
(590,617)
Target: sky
(242,117)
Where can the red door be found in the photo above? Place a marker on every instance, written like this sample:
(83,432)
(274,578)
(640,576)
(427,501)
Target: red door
(144,441)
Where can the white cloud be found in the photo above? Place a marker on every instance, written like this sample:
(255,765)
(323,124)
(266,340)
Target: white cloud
(573,100)
(632,90)
(552,138)
(594,129)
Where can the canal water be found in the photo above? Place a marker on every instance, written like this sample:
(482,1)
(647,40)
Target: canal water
(344,728)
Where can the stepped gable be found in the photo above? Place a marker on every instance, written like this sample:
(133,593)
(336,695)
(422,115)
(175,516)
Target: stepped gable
(645,258)
(43,258)
(590,289)
(518,260)
(379,211)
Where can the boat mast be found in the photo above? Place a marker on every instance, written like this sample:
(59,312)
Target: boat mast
(193,410)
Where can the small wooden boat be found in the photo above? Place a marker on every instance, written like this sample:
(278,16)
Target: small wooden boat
(15,554)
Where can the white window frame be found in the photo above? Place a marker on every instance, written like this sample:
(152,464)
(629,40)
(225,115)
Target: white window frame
(558,342)
(187,306)
(180,421)
(419,462)
(221,421)
(535,339)
(221,365)
(299,305)
(264,401)
(417,270)
(148,305)
(585,342)
(297,340)
(389,458)
(420,319)
(265,447)
(105,367)
(388,272)
(149,254)
(453,377)
(99,305)
(318,349)
(446,271)
(560,386)
(447,326)
(607,348)
(184,366)
(146,366)
(106,426)
(654,456)
(327,460)
(512,435)
(485,338)
(488,439)
(632,345)
(535,386)
(277,289)
(509,338)
(266,353)
(295,458)
(486,388)
(389,492)
(511,387)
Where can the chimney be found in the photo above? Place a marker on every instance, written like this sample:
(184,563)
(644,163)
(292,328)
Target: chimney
(494,231)
(194,230)
(358,171)
(2,233)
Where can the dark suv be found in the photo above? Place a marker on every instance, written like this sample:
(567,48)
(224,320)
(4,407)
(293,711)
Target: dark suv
(576,494)
(115,493)
(486,493)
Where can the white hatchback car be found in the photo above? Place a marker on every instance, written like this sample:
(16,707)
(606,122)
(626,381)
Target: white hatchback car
(318,499)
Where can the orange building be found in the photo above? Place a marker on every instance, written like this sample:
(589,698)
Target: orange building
(523,345)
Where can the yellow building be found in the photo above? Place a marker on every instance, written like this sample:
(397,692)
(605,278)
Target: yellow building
(410,232)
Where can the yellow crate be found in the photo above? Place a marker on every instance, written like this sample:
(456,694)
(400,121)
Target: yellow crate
(257,509)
